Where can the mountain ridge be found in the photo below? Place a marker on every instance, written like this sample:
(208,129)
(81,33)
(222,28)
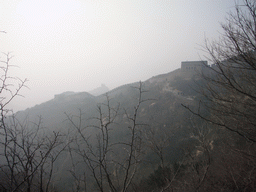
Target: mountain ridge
(169,89)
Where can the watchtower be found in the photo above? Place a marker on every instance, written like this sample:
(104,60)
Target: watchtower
(193,66)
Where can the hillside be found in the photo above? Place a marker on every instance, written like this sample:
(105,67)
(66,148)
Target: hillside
(160,112)
(145,135)
(139,133)
(166,88)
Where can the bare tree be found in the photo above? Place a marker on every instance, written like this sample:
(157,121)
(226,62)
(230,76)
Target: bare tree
(199,159)
(188,173)
(27,153)
(113,164)
(229,94)
(158,140)
(230,83)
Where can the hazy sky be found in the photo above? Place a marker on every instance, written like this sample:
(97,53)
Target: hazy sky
(76,45)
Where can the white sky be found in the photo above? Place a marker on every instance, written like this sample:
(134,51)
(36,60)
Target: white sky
(76,45)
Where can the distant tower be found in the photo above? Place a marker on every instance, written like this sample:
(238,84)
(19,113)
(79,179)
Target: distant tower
(193,65)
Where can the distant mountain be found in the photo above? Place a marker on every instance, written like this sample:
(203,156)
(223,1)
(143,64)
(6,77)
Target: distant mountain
(100,90)
(167,92)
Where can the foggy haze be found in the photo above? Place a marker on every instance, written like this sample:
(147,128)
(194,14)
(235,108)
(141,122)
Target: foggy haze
(77,45)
